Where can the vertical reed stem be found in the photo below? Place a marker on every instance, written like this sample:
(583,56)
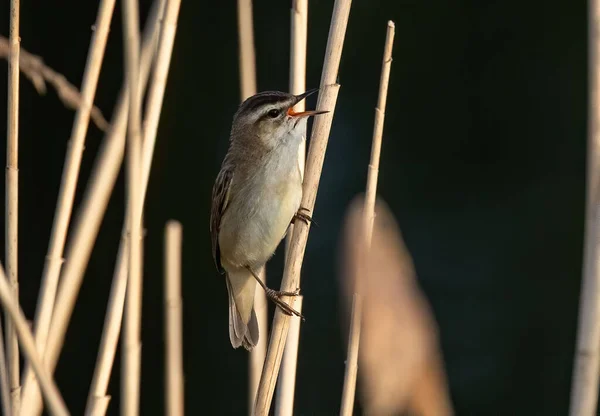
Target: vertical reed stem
(12,201)
(173,323)
(132,348)
(349,389)
(584,389)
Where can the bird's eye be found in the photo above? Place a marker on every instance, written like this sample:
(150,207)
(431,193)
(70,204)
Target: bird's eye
(273,113)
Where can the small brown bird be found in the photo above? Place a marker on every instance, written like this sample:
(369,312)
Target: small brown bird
(256,196)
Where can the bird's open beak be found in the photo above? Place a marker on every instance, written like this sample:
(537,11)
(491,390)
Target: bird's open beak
(292,113)
(301,97)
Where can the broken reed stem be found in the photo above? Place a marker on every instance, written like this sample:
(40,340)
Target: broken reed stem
(132,347)
(349,390)
(319,138)
(12,201)
(34,68)
(4,386)
(173,322)
(584,390)
(15,314)
(66,195)
(247,62)
(284,405)
(298,41)
(246,49)
(87,224)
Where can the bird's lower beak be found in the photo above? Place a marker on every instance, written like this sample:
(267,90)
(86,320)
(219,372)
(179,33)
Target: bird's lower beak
(292,113)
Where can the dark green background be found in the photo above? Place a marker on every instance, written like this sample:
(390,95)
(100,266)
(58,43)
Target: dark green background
(483,164)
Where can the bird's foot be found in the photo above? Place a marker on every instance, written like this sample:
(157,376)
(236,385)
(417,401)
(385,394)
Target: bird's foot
(275,296)
(306,218)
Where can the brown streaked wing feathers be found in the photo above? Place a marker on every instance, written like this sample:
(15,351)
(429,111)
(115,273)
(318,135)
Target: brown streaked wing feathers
(220,199)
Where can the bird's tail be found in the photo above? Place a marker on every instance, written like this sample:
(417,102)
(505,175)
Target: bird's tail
(243,326)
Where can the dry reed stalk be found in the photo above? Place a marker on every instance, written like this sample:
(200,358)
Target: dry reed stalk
(34,68)
(400,362)
(298,41)
(114,312)
(348,392)
(246,49)
(584,390)
(87,224)
(132,346)
(284,405)
(11,217)
(247,62)
(316,154)
(4,386)
(174,403)
(66,195)
(13,311)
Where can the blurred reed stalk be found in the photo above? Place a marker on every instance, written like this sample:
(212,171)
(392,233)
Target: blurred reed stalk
(66,195)
(131,349)
(247,62)
(85,231)
(584,390)
(348,392)
(284,405)
(400,362)
(11,217)
(319,138)
(15,315)
(174,403)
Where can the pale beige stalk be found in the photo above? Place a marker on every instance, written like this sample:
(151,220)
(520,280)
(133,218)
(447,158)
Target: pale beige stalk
(4,387)
(15,314)
(11,216)
(66,195)
(114,314)
(246,49)
(319,138)
(298,40)
(173,321)
(284,404)
(349,390)
(131,346)
(87,224)
(247,62)
(584,390)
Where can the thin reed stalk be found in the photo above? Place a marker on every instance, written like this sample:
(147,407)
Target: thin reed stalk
(247,62)
(66,195)
(15,314)
(154,104)
(584,390)
(298,41)
(349,389)
(132,345)
(87,224)
(246,49)
(4,387)
(284,405)
(316,154)
(174,403)
(11,217)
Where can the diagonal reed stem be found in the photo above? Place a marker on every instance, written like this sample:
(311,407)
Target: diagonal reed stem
(316,154)
(64,207)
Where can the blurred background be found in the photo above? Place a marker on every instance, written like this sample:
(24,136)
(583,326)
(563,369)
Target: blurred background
(483,165)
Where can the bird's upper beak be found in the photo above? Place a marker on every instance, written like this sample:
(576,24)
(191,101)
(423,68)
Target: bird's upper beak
(301,97)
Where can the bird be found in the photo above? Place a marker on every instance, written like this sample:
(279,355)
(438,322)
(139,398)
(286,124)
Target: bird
(255,198)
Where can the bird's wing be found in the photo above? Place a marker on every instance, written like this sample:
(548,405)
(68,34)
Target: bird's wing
(220,200)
